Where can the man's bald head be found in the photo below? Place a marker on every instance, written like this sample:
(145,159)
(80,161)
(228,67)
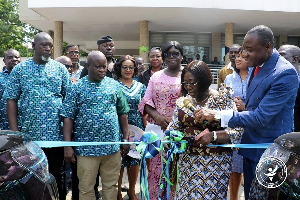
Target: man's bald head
(95,55)
(42,46)
(67,62)
(235,46)
(11,59)
(233,51)
(64,60)
(97,66)
(11,51)
(291,53)
(41,35)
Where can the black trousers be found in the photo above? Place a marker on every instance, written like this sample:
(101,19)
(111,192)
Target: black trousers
(56,163)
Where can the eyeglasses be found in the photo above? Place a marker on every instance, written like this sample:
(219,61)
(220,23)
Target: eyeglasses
(173,54)
(69,66)
(189,84)
(73,53)
(127,68)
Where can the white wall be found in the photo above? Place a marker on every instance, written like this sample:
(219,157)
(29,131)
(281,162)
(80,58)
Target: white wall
(265,5)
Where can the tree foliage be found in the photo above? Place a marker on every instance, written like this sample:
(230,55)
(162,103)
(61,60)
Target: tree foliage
(14,33)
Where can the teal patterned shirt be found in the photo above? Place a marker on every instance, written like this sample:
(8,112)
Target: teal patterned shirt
(39,90)
(94,107)
(134,95)
(3,116)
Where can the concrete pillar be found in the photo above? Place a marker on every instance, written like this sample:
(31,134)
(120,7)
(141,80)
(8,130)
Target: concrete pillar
(228,38)
(51,33)
(58,39)
(282,40)
(144,40)
(216,49)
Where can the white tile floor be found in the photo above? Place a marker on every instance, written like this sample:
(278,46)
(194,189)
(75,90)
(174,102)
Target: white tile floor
(137,189)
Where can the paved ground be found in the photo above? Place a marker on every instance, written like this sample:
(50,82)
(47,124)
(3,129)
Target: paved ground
(137,189)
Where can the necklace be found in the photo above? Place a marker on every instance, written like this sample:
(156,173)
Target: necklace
(205,99)
(199,102)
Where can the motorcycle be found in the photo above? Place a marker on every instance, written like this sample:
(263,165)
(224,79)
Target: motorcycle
(24,173)
(278,171)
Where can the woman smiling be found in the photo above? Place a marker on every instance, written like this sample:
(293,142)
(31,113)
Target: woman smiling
(125,68)
(203,171)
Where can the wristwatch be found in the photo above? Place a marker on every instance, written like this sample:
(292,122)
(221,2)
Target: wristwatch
(215,136)
(124,140)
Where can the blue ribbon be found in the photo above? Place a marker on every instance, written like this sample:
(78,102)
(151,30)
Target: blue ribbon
(245,146)
(148,148)
(49,144)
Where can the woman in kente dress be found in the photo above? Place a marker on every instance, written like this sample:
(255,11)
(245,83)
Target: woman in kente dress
(203,171)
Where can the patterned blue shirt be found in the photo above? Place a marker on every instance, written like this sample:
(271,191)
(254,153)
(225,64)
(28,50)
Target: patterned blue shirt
(39,90)
(94,107)
(134,95)
(239,87)
(3,116)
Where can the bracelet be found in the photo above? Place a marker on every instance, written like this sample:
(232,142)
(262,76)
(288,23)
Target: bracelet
(215,136)
(156,117)
(124,140)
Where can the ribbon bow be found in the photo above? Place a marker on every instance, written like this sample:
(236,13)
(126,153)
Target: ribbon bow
(177,146)
(149,148)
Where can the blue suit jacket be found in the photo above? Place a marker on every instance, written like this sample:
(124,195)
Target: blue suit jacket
(270,100)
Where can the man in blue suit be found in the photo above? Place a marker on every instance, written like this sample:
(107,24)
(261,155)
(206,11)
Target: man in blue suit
(270,99)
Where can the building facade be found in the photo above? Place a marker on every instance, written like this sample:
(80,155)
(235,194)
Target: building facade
(201,26)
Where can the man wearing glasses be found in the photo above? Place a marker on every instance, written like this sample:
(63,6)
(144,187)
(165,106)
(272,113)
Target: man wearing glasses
(72,52)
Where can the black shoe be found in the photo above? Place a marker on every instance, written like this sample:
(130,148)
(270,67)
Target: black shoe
(98,195)
(124,188)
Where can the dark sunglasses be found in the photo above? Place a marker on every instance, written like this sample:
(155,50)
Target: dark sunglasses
(174,54)
(189,84)
(69,66)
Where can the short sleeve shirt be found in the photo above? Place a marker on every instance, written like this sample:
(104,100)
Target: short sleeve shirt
(3,116)
(239,87)
(134,95)
(94,107)
(39,89)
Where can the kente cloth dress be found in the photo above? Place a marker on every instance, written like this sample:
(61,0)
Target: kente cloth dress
(204,172)
(161,94)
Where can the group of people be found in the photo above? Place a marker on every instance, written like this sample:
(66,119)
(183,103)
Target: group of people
(56,100)
(186,61)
